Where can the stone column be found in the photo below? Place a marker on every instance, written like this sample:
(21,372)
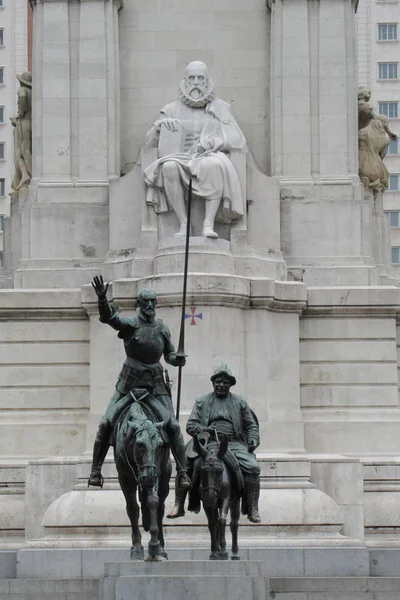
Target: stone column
(75,142)
(314,142)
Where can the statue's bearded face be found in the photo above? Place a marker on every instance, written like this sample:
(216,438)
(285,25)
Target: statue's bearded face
(196,82)
(197,89)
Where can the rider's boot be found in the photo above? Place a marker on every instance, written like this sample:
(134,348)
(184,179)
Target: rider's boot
(179,506)
(100,450)
(178,450)
(253,494)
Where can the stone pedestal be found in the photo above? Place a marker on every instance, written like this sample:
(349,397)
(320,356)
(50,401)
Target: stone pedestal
(176,580)
(327,229)
(63,225)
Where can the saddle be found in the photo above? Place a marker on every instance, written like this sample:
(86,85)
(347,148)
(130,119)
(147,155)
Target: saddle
(155,413)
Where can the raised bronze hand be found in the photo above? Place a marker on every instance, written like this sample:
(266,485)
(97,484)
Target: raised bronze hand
(100,287)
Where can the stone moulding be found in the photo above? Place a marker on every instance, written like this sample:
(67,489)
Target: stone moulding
(213,290)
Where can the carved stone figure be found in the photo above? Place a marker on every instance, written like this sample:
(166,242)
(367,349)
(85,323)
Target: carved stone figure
(194,137)
(230,415)
(374,137)
(23,135)
(146,339)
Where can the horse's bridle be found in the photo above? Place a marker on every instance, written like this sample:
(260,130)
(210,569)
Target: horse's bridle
(141,468)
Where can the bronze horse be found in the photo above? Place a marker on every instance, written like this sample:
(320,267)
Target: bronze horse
(143,464)
(219,493)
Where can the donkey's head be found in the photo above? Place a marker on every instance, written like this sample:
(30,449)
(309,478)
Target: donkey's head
(212,468)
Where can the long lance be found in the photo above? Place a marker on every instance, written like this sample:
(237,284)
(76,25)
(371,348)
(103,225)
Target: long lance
(181,345)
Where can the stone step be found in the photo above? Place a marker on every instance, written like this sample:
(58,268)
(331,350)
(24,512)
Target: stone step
(335,588)
(278,562)
(184,568)
(53,589)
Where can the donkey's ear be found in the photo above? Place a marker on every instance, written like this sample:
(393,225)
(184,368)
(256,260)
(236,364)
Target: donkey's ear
(198,447)
(223,447)
(160,425)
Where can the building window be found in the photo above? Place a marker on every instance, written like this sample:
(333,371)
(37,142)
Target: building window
(393,147)
(388,70)
(389,109)
(1,75)
(394,218)
(1,259)
(395,255)
(2,187)
(387,32)
(1,36)
(394,183)
(1,222)
(1,3)
(2,117)
(2,150)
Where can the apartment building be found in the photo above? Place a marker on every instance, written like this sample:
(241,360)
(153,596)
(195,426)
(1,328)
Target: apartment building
(13,59)
(379,69)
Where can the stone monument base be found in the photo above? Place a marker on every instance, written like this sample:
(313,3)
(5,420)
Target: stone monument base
(284,574)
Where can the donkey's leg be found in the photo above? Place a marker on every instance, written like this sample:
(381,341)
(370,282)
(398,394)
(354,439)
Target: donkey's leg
(212,518)
(223,512)
(234,526)
(128,487)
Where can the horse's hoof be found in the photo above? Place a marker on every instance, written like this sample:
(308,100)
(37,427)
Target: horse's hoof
(137,553)
(213,557)
(223,555)
(164,554)
(235,557)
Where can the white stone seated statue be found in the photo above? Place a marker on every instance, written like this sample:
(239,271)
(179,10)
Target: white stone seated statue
(196,138)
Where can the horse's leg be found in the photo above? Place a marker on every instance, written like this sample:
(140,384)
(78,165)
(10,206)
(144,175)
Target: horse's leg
(234,526)
(212,518)
(154,543)
(128,487)
(163,491)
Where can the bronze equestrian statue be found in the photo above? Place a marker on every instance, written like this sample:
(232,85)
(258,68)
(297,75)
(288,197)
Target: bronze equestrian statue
(146,340)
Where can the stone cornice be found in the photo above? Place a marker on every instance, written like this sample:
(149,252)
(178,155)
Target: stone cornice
(206,289)
(119,3)
(353,301)
(33,305)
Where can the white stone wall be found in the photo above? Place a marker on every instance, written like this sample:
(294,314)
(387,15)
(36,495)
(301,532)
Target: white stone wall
(158,39)
(44,373)
(349,371)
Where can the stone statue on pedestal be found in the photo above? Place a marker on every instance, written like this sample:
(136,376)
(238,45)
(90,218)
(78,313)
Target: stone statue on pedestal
(23,135)
(194,138)
(374,137)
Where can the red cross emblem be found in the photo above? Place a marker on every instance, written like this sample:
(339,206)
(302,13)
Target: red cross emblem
(193,316)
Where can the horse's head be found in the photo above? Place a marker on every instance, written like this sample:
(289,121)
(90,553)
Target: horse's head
(147,443)
(212,468)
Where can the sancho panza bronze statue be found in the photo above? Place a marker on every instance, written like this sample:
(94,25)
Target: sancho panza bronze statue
(227,414)
(146,340)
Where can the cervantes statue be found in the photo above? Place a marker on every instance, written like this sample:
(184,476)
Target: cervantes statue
(201,132)
(23,135)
